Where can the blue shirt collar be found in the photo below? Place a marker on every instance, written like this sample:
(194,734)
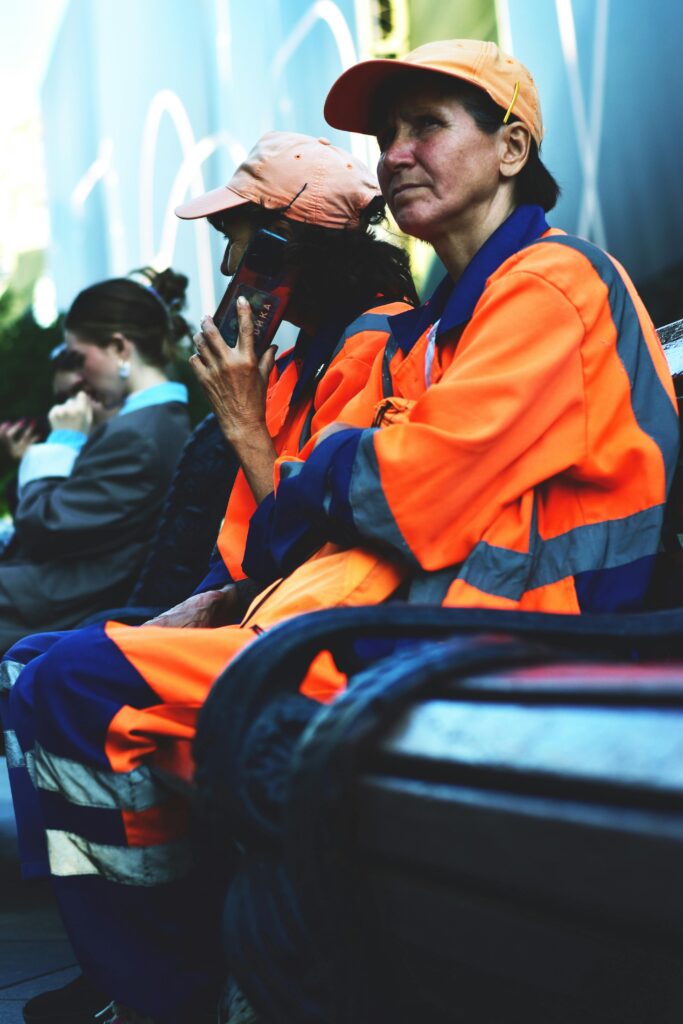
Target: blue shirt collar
(158,394)
(453,305)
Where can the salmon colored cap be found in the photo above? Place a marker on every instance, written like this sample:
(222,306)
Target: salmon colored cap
(312,180)
(349,104)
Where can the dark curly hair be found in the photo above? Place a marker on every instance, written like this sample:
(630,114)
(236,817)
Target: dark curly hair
(147,314)
(339,268)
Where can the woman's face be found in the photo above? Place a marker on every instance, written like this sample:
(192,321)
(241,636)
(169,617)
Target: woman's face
(238,228)
(438,172)
(99,369)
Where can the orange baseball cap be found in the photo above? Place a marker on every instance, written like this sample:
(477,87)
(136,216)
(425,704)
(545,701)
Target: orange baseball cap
(507,81)
(314,181)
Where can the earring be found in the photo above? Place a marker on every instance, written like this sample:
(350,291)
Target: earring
(124,369)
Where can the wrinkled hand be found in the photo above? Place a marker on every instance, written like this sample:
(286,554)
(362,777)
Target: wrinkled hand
(234,380)
(201,611)
(17,438)
(74,414)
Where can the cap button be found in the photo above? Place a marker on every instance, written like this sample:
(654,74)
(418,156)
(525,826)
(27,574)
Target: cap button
(324,142)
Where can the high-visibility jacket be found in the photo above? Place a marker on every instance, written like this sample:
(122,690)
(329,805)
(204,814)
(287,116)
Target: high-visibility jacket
(526,459)
(304,395)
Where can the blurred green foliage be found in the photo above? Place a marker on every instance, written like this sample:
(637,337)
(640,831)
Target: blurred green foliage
(25,374)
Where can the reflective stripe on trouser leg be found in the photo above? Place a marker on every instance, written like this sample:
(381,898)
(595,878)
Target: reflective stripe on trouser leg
(142,913)
(16,709)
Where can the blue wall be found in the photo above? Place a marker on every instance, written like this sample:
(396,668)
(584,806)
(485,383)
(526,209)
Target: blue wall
(640,145)
(223,63)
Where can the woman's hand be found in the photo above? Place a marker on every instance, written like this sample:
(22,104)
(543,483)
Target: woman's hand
(17,438)
(234,380)
(74,414)
(236,383)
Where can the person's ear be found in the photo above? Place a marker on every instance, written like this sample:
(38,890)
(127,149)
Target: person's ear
(515,147)
(122,346)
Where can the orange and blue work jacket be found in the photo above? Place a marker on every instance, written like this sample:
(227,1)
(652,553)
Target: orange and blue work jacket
(308,388)
(525,460)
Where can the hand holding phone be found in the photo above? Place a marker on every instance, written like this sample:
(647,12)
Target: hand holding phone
(267,284)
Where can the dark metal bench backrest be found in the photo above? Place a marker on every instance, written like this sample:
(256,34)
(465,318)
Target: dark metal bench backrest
(667,585)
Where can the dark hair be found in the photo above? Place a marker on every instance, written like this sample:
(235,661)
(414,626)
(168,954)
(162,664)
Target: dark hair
(534,183)
(62,360)
(340,268)
(148,315)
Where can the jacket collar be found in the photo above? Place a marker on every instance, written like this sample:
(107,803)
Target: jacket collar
(157,394)
(453,305)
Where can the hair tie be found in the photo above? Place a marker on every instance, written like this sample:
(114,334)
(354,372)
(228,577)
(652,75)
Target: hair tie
(514,100)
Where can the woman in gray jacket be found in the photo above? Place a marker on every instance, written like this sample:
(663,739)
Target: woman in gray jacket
(89,500)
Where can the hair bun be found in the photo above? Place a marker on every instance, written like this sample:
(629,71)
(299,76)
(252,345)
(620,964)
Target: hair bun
(170,286)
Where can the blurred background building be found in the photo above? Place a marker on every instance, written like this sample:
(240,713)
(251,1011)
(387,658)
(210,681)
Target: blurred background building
(145,103)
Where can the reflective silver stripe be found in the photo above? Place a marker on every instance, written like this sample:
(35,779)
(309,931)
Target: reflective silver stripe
(18,758)
(430,351)
(432,587)
(604,545)
(652,406)
(288,470)
(13,752)
(95,787)
(70,854)
(9,673)
(510,574)
(371,513)
(367,322)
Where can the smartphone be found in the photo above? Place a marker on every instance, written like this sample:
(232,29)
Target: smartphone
(267,285)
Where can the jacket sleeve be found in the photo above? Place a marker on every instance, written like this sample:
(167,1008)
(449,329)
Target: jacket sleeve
(98,505)
(507,413)
(53,457)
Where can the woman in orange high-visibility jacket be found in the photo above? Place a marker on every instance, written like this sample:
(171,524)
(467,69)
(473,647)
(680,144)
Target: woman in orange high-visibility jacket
(527,458)
(533,419)
(347,282)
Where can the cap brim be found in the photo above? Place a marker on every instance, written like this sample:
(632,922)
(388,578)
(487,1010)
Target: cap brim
(349,102)
(215,201)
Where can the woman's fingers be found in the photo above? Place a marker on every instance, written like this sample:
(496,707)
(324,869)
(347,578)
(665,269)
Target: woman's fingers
(265,366)
(198,367)
(245,319)
(210,336)
(200,351)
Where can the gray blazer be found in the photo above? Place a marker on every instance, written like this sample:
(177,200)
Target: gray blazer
(80,540)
